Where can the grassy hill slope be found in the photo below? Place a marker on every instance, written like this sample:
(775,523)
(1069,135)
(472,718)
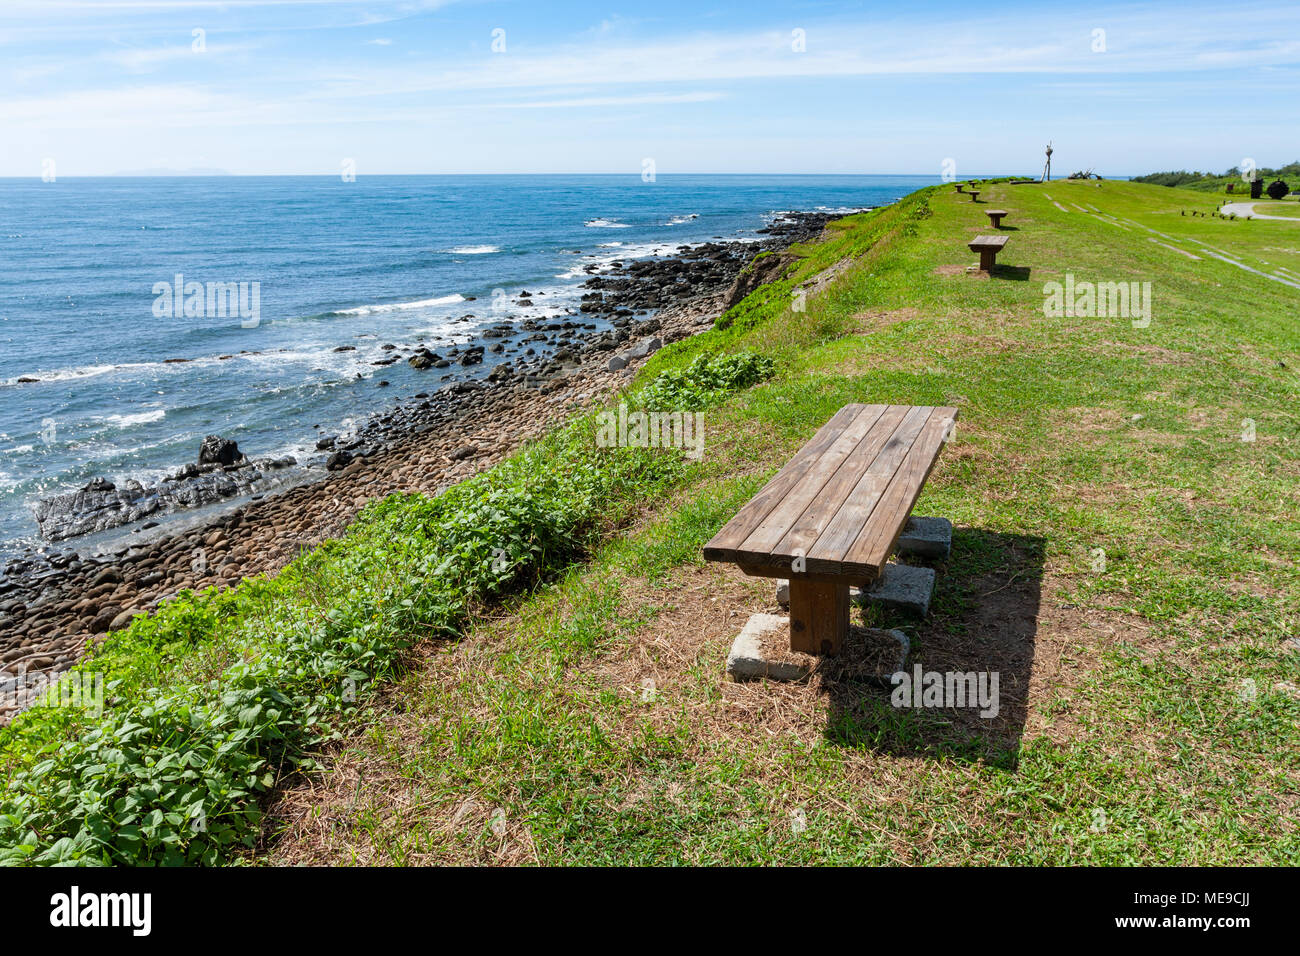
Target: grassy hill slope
(1125,557)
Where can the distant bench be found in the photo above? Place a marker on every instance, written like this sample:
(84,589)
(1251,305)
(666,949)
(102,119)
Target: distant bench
(995,217)
(988,248)
(832,516)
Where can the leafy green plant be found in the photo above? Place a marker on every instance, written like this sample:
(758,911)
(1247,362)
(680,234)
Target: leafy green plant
(215,698)
(705,381)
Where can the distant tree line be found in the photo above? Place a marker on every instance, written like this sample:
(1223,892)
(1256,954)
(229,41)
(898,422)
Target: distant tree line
(1183,178)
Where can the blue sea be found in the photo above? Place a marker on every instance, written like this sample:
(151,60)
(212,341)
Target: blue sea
(128,384)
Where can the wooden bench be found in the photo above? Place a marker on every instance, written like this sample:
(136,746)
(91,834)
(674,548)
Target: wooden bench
(995,217)
(832,516)
(974,195)
(988,248)
(959,187)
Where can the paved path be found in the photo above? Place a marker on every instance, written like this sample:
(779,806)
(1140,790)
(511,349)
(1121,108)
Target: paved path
(1246,210)
(1279,276)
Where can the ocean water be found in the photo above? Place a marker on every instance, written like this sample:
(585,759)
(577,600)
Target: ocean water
(129,383)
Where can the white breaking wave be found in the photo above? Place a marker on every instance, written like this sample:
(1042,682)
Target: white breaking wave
(606,224)
(403,306)
(140,418)
(63,374)
(171,366)
(474,250)
(619,252)
(678,220)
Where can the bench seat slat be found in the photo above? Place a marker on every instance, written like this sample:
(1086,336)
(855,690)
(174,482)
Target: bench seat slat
(843,499)
(805,531)
(839,535)
(876,541)
(752,514)
(766,537)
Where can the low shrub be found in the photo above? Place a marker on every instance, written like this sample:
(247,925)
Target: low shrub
(212,700)
(705,381)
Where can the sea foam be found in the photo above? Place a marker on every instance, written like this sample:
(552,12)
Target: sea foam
(140,418)
(403,306)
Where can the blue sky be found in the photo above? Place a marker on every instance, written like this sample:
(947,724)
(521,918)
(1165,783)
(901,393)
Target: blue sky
(298,86)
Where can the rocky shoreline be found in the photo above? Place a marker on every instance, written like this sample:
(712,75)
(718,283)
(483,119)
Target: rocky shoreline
(221,472)
(52,604)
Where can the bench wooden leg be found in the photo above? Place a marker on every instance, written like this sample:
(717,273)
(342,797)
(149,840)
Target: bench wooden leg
(987,257)
(819,616)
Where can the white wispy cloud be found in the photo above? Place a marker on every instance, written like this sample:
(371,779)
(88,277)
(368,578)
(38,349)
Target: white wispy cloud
(100,109)
(1135,45)
(613,68)
(147,59)
(584,102)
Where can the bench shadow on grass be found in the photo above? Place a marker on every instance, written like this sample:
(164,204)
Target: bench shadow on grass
(983,619)
(1017,273)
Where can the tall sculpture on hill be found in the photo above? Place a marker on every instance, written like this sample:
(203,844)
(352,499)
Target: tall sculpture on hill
(1047,170)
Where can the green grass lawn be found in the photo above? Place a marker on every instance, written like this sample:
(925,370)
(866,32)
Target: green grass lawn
(1150,700)
(1286,207)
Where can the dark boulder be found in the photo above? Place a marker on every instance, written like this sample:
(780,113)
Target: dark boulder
(219,451)
(423,359)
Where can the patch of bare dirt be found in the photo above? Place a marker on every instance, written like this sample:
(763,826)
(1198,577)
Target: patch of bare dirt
(1037,650)
(370,805)
(956,269)
(818,283)
(1011,621)
(1153,354)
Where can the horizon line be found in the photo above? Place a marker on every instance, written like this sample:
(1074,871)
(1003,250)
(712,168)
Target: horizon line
(225,175)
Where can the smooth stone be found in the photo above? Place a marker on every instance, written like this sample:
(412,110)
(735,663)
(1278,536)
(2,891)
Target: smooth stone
(646,347)
(902,587)
(105,618)
(746,660)
(926,538)
(123,619)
